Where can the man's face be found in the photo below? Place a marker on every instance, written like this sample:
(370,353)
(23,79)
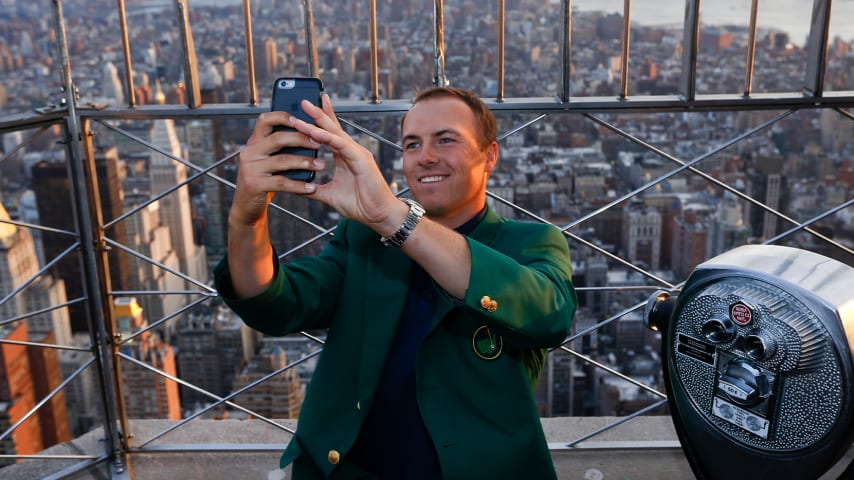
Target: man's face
(443,163)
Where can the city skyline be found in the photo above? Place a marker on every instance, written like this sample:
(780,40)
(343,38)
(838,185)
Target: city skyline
(562,168)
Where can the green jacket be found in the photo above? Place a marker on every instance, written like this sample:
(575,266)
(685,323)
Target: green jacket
(479,411)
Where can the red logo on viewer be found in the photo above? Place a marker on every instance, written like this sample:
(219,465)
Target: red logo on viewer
(740,314)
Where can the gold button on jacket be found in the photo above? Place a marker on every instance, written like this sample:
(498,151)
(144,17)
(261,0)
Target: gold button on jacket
(334,457)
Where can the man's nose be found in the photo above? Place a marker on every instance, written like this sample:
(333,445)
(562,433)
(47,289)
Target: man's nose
(429,155)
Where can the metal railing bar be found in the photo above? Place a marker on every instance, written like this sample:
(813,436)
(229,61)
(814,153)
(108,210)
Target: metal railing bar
(750,61)
(610,370)
(310,44)
(440,78)
(250,54)
(329,231)
(628,288)
(123,31)
(313,337)
(73,470)
(50,395)
(38,118)
(33,226)
(370,133)
(713,180)
(522,126)
(51,346)
(219,400)
(372,37)
(566,50)
(501,31)
(41,311)
(136,293)
(816,48)
(690,49)
(581,240)
(591,104)
(189,60)
(48,457)
(23,144)
(210,447)
(683,165)
(619,422)
(601,324)
(38,274)
(815,219)
(158,264)
(624,52)
(155,324)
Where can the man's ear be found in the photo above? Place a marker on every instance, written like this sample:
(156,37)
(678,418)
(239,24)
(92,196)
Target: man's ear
(491,152)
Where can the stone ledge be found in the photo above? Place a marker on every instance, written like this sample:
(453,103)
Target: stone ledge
(643,448)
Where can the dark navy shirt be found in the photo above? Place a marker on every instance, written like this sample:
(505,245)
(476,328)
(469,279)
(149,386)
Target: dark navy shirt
(394,443)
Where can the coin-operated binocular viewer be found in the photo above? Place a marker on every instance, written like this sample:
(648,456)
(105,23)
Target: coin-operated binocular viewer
(757,360)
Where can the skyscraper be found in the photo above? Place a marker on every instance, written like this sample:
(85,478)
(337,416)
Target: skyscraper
(212,343)
(53,197)
(175,208)
(147,393)
(642,235)
(278,397)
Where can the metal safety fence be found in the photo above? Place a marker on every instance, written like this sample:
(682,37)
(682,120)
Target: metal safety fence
(697,141)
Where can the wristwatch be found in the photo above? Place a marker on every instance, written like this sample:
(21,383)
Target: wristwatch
(416,211)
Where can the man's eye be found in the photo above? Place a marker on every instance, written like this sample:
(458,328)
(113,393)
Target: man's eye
(410,146)
(446,140)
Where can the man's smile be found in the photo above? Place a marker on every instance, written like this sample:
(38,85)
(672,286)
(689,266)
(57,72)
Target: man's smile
(433,179)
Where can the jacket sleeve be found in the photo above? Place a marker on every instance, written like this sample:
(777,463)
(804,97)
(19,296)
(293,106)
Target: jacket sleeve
(301,297)
(521,283)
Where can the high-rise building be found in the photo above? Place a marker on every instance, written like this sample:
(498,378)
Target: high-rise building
(111,86)
(727,228)
(642,235)
(148,235)
(147,394)
(768,186)
(175,208)
(31,373)
(213,344)
(278,397)
(17,395)
(53,197)
(690,244)
(81,393)
(47,376)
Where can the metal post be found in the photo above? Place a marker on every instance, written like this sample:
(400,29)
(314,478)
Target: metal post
(96,290)
(690,46)
(751,49)
(250,54)
(123,26)
(372,31)
(624,56)
(439,77)
(566,46)
(817,48)
(501,27)
(311,48)
(191,63)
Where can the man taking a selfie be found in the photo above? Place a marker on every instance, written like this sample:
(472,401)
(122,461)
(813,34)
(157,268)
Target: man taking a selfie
(438,310)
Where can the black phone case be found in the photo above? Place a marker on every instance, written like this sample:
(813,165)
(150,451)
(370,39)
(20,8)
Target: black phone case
(288,92)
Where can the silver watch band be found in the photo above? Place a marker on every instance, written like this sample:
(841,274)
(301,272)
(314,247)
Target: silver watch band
(416,211)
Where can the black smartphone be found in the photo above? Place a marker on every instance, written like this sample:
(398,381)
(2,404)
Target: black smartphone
(288,93)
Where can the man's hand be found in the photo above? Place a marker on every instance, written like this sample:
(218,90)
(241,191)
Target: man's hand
(357,190)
